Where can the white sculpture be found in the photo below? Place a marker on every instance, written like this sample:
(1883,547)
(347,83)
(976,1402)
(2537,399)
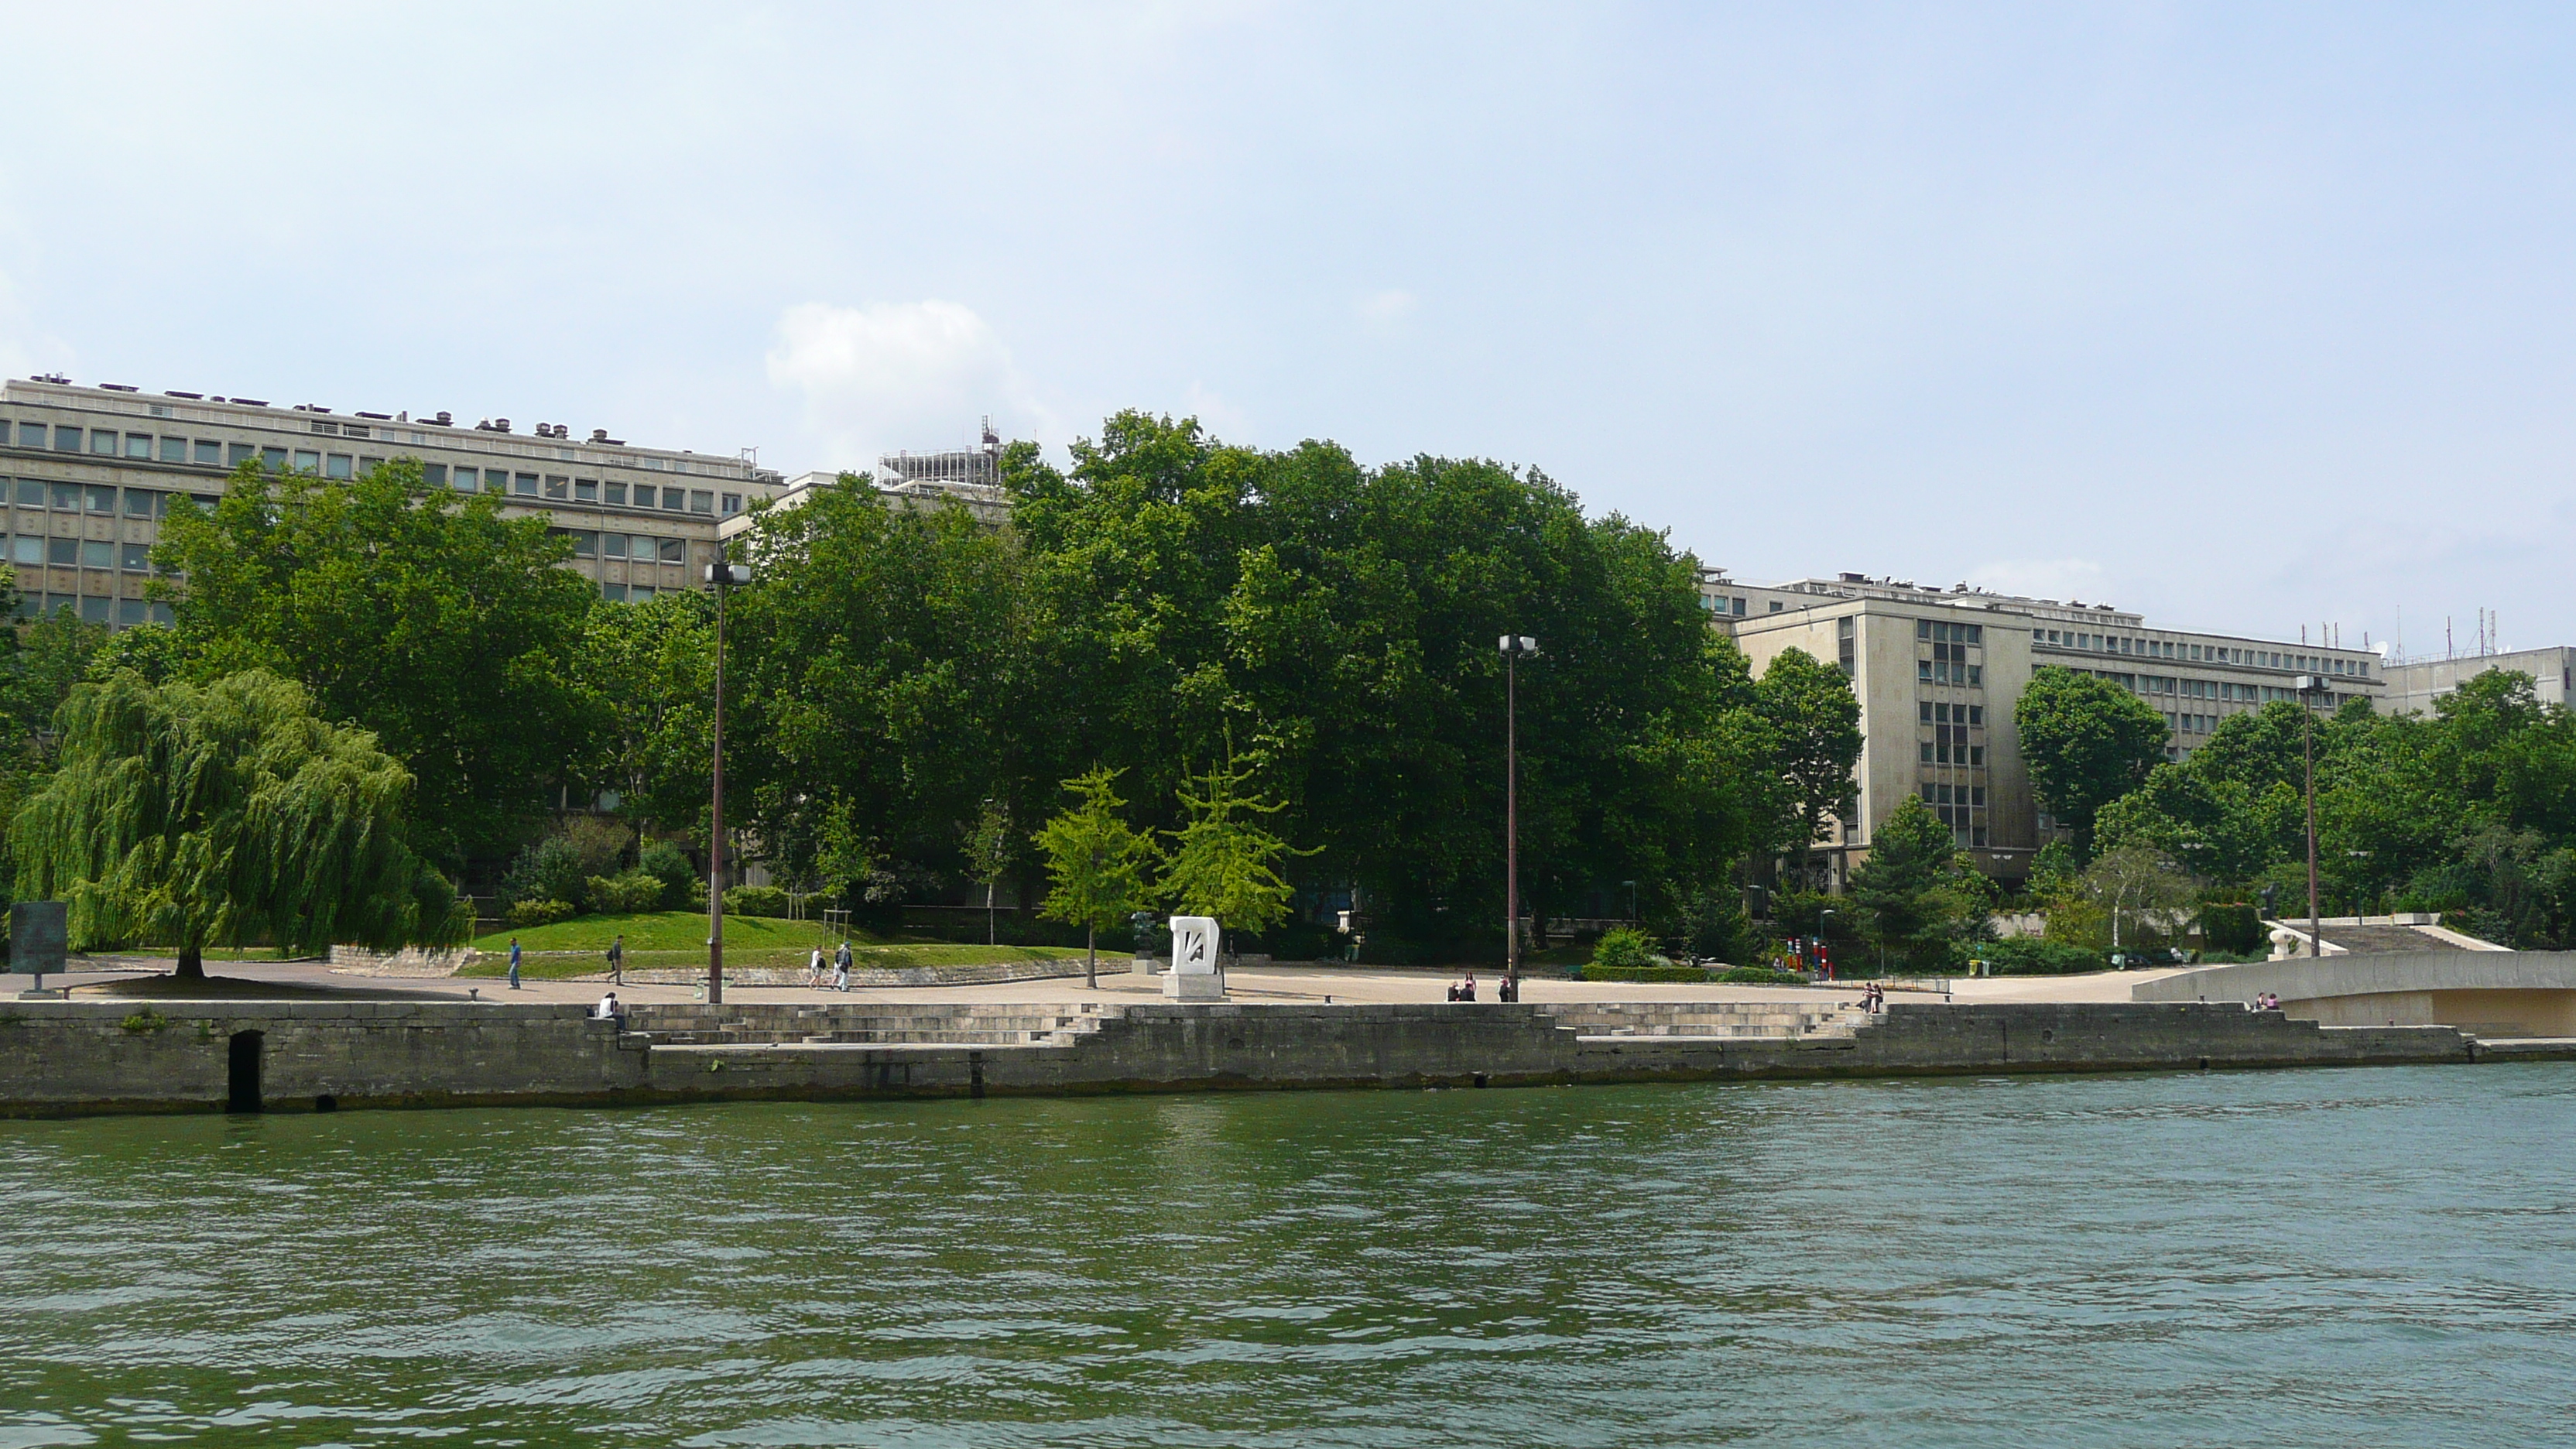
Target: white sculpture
(1194,975)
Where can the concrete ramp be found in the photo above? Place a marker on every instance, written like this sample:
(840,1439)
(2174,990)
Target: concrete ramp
(2492,994)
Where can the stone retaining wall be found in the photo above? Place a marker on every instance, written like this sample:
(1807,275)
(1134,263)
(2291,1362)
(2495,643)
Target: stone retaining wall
(413,961)
(65,1057)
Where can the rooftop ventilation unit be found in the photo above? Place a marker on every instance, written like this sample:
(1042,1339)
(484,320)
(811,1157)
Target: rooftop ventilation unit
(445,419)
(118,387)
(379,417)
(190,395)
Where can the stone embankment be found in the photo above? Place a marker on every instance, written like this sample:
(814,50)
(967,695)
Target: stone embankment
(70,1057)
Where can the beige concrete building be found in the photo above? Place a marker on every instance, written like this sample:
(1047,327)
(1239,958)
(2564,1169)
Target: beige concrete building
(2414,684)
(90,472)
(1938,673)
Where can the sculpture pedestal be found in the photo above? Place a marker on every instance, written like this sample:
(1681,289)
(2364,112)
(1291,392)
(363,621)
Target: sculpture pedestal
(1194,986)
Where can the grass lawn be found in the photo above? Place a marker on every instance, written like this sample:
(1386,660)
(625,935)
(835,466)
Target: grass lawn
(666,939)
(671,931)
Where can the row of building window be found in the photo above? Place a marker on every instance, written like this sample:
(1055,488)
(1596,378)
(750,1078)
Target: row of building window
(207,452)
(1943,633)
(36,550)
(96,498)
(641,547)
(1950,752)
(1733,607)
(96,608)
(1943,671)
(627,593)
(2203,653)
(1936,712)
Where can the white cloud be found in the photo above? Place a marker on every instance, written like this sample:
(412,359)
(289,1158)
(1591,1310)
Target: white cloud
(2064,579)
(899,375)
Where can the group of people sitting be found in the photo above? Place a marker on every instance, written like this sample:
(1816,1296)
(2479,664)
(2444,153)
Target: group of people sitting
(1873,997)
(1465,990)
(2266,1001)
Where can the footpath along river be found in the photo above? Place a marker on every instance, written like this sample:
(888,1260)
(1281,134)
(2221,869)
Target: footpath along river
(2380,1256)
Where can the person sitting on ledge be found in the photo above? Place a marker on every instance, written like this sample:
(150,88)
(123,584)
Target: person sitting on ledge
(1467,988)
(610,1008)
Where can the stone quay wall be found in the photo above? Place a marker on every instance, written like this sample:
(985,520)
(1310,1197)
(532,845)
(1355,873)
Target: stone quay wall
(1253,1047)
(72,1057)
(64,1058)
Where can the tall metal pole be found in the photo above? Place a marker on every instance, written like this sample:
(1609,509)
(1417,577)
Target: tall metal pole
(715,836)
(2308,746)
(1512,819)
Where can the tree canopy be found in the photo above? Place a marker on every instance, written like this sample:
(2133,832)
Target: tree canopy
(420,615)
(224,814)
(2086,742)
(2472,808)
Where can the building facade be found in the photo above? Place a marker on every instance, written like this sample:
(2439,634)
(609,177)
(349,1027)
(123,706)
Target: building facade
(90,472)
(2414,684)
(1939,674)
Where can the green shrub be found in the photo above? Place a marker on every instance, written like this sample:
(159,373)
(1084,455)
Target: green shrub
(2028,956)
(550,870)
(1661,971)
(1760,976)
(756,901)
(2235,928)
(528,915)
(619,895)
(1624,950)
(682,886)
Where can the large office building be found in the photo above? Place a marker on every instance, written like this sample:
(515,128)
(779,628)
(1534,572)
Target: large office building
(1938,674)
(2414,684)
(90,472)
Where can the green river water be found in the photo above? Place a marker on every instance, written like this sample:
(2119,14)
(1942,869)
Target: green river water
(2378,1256)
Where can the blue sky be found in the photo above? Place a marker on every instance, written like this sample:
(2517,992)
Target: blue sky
(2245,316)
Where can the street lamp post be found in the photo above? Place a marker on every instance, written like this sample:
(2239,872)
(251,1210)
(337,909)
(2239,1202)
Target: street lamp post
(2309,687)
(720,576)
(1513,646)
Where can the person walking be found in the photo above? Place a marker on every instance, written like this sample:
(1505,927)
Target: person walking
(841,968)
(814,967)
(514,963)
(617,960)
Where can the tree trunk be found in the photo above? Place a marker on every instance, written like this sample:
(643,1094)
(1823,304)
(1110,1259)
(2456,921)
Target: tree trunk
(192,964)
(1091,958)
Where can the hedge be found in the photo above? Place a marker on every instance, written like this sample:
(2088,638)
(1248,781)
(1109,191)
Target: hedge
(2030,956)
(1665,972)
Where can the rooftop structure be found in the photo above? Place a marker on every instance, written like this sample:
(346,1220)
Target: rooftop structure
(89,472)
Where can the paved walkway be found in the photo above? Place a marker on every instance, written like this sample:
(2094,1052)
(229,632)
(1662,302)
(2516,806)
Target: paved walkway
(1273,983)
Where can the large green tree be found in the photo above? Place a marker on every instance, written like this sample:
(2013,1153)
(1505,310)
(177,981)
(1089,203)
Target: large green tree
(1342,620)
(878,684)
(1917,894)
(224,814)
(1811,723)
(646,675)
(420,615)
(2086,742)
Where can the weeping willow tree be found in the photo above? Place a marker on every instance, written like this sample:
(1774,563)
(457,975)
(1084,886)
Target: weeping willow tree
(225,814)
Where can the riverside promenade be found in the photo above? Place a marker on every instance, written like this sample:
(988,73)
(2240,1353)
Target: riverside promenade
(300,1037)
